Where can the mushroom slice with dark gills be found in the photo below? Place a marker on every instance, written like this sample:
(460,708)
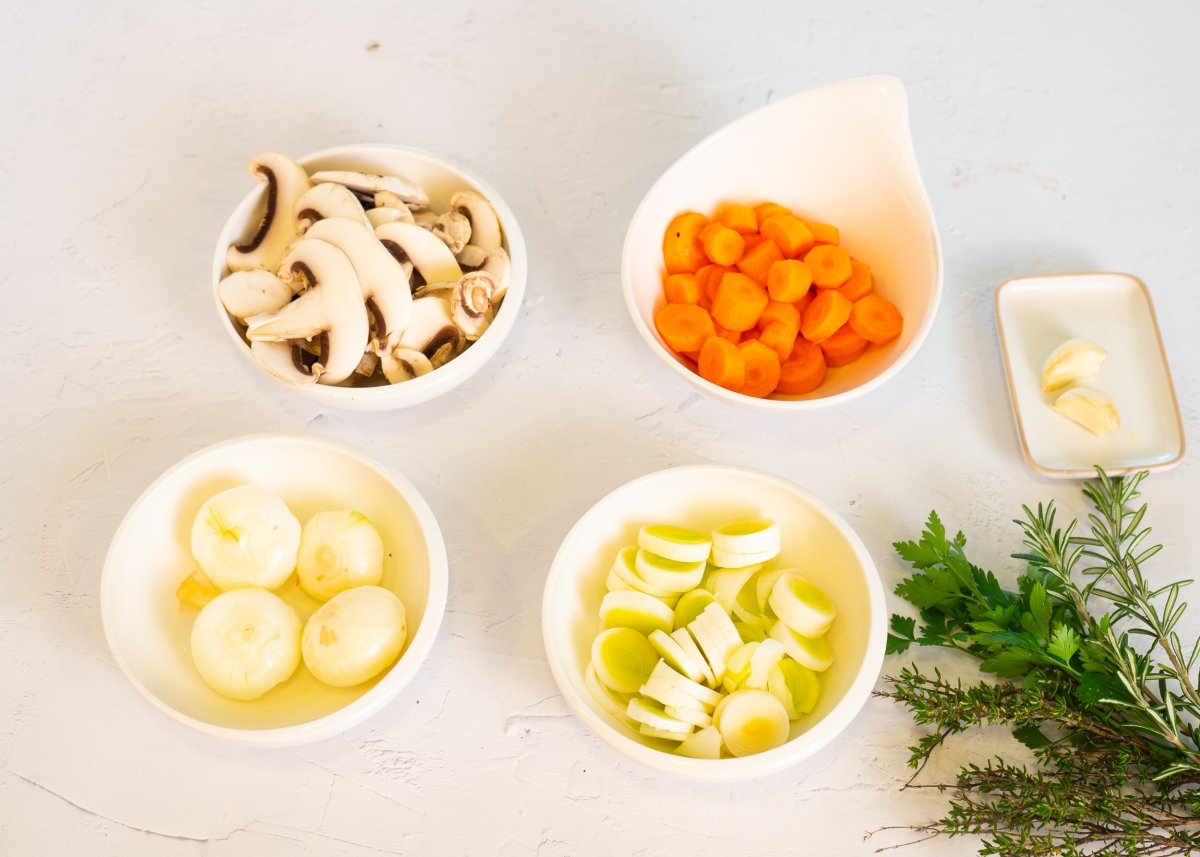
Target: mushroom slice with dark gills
(282,359)
(471,303)
(485,225)
(471,258)
(331,307)
(372,183)
(328,200)
(403,364)
(452,228)
(383,281)
(432,259)
(286,182)
(247,293)
(432,331)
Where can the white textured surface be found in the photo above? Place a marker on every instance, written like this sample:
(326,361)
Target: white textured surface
(1052,137)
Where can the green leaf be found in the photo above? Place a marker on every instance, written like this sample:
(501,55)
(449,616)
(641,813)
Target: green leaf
(1064,643)
(1008,663)
(1031,736)
(905,628)
(1097,687)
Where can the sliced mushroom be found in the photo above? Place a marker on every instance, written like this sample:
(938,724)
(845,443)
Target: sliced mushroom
(424,218)
(368,364)
(247,293)
(410,243)
(328,200)
(403,364)
(433,331)
(471,257)
(332,307)
(453,229)
(437,290)
(282,359)
(383,281)
(485,225)
(380,216)
(471,303)
(286,182)
(371,183)
(499,265)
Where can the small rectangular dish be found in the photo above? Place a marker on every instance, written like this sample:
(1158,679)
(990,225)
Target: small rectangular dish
(1034,315)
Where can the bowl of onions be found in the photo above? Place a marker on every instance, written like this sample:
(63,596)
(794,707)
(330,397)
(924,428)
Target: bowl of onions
(274,590)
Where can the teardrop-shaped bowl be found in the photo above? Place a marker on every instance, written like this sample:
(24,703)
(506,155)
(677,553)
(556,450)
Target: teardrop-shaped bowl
(840,154)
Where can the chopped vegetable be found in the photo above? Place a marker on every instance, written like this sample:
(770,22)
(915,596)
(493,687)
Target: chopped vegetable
(738,302)
(860,284)
(623,659)
(682,289)
(822,318)
(788,232)
(758,258)
(804,371)
(876,319)
(739,218)
(685,327)
(788,280)
(722,245)
(830,265)
(629,608)
(683,251)
(721,362)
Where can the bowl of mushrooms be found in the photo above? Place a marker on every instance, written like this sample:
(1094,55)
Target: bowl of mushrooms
(370,277)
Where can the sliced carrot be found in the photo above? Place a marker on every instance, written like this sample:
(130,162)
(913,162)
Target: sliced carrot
(860,284)
(844,343)
(721,244)
(684,326)
(683,252)
(722,363)
(756,262)
(779,336)
(803,303)
(845,360)
(823,233)
(766,209)
(830,265)
(827,312)
(682,289)
(739,302)
(709,277)
(788,232)
(876,319)
(788,280)
(781,312)
(803,371)
(762,369)
(734,336)
(739,218)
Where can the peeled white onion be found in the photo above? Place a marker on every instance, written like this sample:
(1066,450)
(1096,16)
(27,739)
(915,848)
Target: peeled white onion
(245,642)
(354,636)
(338,551)
(245,537)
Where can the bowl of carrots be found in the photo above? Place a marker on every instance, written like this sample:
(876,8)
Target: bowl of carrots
(791,259)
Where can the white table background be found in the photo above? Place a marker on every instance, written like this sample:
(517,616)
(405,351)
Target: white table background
(1051,137)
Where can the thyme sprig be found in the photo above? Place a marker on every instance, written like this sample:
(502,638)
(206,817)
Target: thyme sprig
(1091,675)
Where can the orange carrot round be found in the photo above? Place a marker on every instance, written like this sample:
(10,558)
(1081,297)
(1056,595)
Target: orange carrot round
(802,304)
(762,369)
(860,283)
(757,260)
(683,252)
(739,302)
(786,313)
(803,371)
(821,319)
(681,289)
(734,336)
(830,265)
(780,337)
(788,280)
(766,209)
(844,343)
(739,218)
(709,277)
(685,327)
(823,233)
(722,363)
(788,232)
(845,359)
(721,244)
(876,319)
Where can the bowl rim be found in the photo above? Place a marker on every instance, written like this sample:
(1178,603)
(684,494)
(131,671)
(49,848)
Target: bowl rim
(819,735)
(356,711)
(432,384)
(894,88)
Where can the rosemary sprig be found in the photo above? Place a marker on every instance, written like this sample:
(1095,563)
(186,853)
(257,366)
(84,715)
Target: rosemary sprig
(1092,676)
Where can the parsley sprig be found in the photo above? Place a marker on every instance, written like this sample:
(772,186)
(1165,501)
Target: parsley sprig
(1090,674)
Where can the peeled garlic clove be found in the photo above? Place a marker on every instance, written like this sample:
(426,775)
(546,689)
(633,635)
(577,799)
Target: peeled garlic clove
(354,636)
(245,642)
(338,550)
(1091,408)
(244,538)
(1074,359)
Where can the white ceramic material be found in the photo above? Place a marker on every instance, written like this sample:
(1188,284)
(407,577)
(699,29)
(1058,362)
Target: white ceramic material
(1034,315)
(841,154)
(701,497)
(441,179)
(151,554)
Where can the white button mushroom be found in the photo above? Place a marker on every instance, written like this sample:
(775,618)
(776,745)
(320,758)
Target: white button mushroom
(286,182)
(332,307)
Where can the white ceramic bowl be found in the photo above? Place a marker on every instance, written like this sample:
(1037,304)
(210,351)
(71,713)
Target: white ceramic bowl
(702,497)
(151,554)
(441,179)
(841,154)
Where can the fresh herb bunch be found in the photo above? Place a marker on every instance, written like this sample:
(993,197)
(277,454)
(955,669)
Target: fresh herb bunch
(1092,677)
